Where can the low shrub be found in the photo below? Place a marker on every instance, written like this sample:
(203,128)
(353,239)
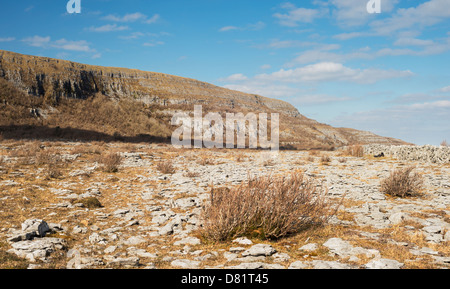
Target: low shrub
(403,183)
(165,167)
(111,162)
(355,151)
(266,208)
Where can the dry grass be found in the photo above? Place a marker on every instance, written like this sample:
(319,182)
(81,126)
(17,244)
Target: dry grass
(355,151)
(444,143)
(166,167)
(111,162)
(325,160)
(403,183)
(265,208)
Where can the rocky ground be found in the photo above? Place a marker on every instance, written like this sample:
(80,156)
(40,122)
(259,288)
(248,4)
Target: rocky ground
(50,216)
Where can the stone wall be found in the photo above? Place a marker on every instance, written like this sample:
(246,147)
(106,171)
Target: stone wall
(426,153)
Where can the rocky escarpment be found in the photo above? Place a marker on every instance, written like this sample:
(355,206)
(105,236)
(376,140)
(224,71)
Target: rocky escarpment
(53,80)
(57,79)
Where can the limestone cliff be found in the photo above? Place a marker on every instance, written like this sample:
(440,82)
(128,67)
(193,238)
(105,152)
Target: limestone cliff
(53,80)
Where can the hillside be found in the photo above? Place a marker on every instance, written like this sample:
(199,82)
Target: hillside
(44,97)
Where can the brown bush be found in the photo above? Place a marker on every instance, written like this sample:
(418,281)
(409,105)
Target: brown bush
(403,183)
(111,162)
(265,207)
(444,143)
(355,151)
(325,160)
(165,167)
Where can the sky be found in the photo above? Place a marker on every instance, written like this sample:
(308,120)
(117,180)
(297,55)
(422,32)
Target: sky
(388,72)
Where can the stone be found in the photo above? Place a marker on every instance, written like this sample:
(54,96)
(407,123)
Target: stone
(309,247)
(243,241)
(344,249)
(124,262)
(135,240)
(96,239)
(384,264)
(185,264)
(259,250)
(319,264)
(397,218)
(188,241)
(38,248)
(298,265)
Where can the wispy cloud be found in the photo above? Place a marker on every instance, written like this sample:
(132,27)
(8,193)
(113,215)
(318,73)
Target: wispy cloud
(108,28)
(63,44)
(249,27)
(133,17)
(7,39)
(295,16)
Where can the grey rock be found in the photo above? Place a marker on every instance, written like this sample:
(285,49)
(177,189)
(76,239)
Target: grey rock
(124,262)
(243,241)
(384,264)
(259,250)
(309,247)
(298,265)
(319,264)
(188,241)
(344,249)
(185,264)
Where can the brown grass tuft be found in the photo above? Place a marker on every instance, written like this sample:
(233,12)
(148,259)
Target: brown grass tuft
(355,151)
(166,167)
(403,183)
(325,160)
(266,208)
(111,162)
(444,143)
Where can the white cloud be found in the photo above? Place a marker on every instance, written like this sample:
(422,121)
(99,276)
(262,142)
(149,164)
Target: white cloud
(347,36)
(108,28)
(228,28)
(413,42)
(7,39)
(424,15)
(432,105)
(249,27)
(153,44)
(295,16)
(153,19)
(331,71)
(45,42)
(354,12)
(64,44)
(234,78)
(133,17)
(445,89)
(37,41)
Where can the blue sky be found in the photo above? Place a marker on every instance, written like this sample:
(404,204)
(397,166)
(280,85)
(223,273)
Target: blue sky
(387,73)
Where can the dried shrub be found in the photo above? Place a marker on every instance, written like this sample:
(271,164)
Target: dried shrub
(190,174)
(444,143)
(355,151)
(325,160)
(111,162)
(53,172)
(165,167)
(403,183)
(48,157)
(266,208)
(342,160)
